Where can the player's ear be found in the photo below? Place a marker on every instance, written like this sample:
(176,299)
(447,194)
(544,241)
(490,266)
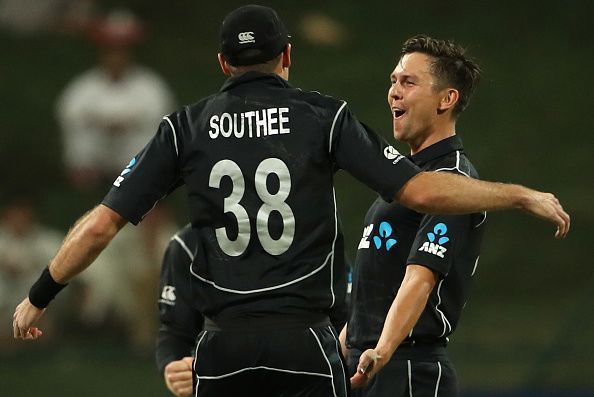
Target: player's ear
(287,56)
(224,65)
(449,99)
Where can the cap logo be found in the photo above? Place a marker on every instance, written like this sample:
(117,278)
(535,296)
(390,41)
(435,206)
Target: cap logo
(246,37)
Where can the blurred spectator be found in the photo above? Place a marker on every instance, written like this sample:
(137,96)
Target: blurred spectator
(120,287)
(26,247)
(33,16)
(109,113)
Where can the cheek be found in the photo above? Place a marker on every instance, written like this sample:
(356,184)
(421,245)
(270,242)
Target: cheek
(389,96)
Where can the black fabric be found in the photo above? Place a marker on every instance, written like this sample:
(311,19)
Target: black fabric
(291,362)
(180,323)
(173,344)
(420,372)
(395,236)
(252,34)
(44,290)
(234,151)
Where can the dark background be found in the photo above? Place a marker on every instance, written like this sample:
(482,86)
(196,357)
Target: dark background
(528,329)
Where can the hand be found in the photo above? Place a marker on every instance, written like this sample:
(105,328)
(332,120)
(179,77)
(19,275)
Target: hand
(369,364)
(178,377)
(546,206)
(25,316)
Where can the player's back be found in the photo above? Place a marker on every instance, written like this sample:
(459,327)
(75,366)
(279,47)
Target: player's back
(256,161)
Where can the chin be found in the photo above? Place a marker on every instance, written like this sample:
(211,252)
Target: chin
(398,135)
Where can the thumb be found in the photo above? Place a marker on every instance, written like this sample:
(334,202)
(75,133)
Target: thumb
(367,361)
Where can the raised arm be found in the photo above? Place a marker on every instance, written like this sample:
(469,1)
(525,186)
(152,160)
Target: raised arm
(446,193)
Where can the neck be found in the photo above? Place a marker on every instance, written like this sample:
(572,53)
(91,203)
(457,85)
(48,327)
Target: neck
(432,138)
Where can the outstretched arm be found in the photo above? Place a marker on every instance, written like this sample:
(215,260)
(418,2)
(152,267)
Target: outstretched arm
(404,313)
(446,193)
(85,241)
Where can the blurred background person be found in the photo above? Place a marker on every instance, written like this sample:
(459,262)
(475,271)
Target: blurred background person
(106,114)
(113,109)
(26,246)
(118,292)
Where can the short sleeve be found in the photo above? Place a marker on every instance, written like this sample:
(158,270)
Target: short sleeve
(150,176)
(438,237)
(361,152)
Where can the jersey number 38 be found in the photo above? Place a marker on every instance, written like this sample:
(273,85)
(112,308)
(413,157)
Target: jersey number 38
(270,203)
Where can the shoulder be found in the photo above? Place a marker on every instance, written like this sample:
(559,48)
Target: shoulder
(143,73)
(88,79)
(319,101)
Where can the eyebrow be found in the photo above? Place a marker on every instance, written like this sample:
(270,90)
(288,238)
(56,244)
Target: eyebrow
(404,75)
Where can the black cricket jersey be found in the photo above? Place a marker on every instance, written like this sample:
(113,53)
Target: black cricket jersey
(395,236)
(179,322)
(258,159)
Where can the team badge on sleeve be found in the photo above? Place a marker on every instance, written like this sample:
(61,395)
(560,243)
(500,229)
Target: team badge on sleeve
(168,295)
(128,168)
(383,238)
(436,242)
(385,233)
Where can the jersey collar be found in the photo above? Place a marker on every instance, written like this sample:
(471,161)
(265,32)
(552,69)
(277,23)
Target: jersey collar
(264,78)
(437,150)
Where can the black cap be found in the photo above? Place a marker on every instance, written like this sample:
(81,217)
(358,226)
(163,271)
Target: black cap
(252,34)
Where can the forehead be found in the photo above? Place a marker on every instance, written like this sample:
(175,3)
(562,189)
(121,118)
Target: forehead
(413,64)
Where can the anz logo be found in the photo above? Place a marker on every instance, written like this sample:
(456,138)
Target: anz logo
(437,239)
(382,239)
(128,168)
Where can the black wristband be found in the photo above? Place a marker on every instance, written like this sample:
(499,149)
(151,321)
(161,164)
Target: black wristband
(44,290)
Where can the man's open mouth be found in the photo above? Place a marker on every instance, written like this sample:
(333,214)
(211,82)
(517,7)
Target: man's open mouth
(397,112)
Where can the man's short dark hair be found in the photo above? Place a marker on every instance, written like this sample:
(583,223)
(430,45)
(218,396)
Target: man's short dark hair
(451,67)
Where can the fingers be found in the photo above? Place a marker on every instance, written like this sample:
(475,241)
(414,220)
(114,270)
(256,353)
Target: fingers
(367,361)
(177,366)
(185,391)
(563,221)
(25,315)
(366,368)
(180,376)
(181,388)
(547,206)
(566,223)
(358,380)
(189,361)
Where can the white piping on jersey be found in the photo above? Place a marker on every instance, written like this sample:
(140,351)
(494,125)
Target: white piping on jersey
(409,379)
(336,342)
(194,364)
(266,368)
(446,323)
(184,246)
(327,361)
(174,134)
(457,168)
(154,205)
(333,124)
(253,291)
(438,379)
(333,244)
(484,219)
(475,265)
